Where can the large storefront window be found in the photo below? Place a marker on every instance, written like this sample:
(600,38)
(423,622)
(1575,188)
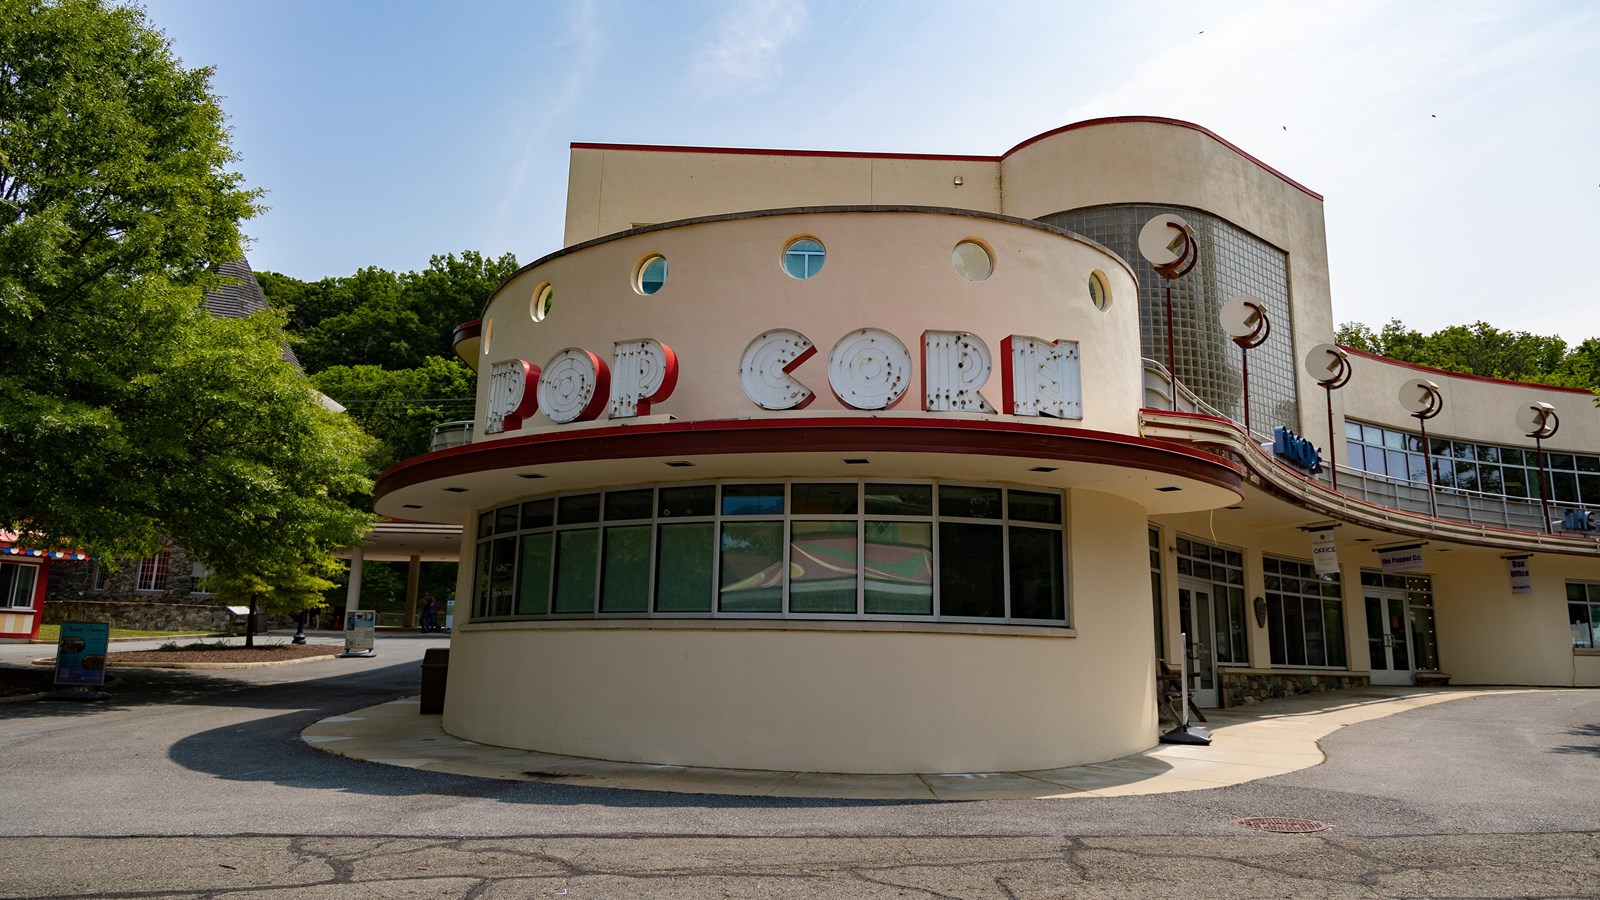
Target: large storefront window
(1305,614)
(837,549)
(1574,478)
(1583,611)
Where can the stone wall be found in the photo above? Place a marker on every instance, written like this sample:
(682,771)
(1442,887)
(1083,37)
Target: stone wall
(73,580)
(137,613)
(1240,688)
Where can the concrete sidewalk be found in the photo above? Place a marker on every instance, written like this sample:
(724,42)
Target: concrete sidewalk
(1250,743)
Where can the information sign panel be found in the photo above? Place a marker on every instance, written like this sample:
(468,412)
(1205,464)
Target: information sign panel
(358,628)
(81,653)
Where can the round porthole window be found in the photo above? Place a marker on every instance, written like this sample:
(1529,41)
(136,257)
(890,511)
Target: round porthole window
(1099,294)
(972,261)
(803,257)
(544,297)
(651,274)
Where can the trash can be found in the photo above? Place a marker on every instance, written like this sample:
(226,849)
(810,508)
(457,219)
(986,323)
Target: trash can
(435,669)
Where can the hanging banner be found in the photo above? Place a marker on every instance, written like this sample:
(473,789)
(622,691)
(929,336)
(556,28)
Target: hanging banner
(1401,559)
(1324,553)
(1521,575)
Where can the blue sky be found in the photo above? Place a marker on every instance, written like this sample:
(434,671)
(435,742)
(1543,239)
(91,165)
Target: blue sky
(1457,144)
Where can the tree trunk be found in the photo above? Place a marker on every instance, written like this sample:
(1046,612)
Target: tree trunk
(250,625)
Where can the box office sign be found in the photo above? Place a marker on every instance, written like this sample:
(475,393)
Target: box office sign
(868,369)
(1401,559)
(1521,575)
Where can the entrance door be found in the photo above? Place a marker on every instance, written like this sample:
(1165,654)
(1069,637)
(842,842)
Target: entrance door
(1195,620)
(1389,637)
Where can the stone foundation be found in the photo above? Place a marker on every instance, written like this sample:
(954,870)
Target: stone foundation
(147,615)
(1241,688)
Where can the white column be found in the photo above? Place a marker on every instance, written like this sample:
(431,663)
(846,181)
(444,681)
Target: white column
(352,597)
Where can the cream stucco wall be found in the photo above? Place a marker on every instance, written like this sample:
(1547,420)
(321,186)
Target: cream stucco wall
(1474,409)
(612,189)
(885,269)
(834,697)
(1129,160)
(1487,635)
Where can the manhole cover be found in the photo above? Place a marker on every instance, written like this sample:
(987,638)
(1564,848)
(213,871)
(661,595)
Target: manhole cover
(1281,825)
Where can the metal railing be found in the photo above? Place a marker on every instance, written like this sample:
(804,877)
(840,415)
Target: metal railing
(1457,504)
(450,434)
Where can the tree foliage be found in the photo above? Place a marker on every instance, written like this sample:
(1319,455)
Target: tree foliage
(128,413)
(1482,349)
(386,319)
(400,407)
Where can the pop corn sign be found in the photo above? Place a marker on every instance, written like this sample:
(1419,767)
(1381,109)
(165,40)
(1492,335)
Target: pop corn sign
(868,369)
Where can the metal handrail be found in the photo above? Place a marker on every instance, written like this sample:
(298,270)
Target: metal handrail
(450,434)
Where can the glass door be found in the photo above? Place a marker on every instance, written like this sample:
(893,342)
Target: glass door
(1195,620)
(1389,638)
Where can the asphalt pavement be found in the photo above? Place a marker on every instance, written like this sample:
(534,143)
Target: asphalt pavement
(198,784)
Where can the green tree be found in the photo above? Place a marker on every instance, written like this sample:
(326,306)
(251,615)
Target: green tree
(400,407)
(1482,349)
(127,412)
(380,318)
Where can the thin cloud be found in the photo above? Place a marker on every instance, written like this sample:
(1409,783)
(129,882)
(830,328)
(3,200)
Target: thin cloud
(746,49)
(586,43)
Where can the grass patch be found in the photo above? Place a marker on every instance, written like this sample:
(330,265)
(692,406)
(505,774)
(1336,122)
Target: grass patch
(53,633)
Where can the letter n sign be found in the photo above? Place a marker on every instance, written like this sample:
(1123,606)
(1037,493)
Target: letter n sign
(1041,378)
(512,395)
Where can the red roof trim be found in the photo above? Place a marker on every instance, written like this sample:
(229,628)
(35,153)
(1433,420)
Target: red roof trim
(810,434)
(1448,374)
(755,151)
(841,154)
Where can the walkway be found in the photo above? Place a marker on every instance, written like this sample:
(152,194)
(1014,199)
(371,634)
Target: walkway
(1250,743)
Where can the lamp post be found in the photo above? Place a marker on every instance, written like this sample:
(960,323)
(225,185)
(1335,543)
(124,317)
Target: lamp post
(1421,398)
(1245,320)
(1330,366)
(1168,243)
(1538,420)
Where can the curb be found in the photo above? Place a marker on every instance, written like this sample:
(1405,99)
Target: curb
(111,664)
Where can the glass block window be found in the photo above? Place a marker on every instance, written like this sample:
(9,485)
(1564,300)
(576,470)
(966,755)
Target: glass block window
(1232,261)
(1224,569)
(840,549)
(1305,614)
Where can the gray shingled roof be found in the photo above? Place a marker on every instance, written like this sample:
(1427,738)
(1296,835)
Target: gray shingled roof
(241,296)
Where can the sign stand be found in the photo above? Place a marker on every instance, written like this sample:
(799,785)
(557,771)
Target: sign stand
(358,628)
(1184,733)
(81,662)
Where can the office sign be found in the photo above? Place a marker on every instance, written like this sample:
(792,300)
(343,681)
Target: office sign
(1324,553)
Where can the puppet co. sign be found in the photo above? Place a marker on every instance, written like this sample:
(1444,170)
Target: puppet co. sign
(868,369)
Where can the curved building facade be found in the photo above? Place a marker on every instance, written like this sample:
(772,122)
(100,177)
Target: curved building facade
(858,463)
